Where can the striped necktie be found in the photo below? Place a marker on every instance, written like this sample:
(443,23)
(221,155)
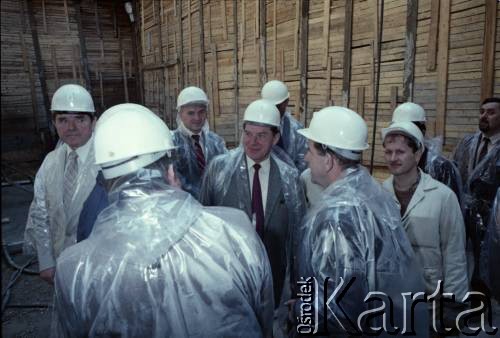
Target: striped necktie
(70,175)
(200,158)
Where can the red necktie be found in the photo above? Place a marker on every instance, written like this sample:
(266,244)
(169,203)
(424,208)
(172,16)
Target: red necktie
(200,158)
(257,208)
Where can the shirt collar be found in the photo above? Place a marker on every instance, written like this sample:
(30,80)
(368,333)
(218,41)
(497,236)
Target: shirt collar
(82,151)
(493,139)
(265,166)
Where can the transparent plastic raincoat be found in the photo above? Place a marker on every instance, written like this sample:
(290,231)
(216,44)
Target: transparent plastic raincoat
(439,167)
(186,164)
(226,183)
(294,144)
(355,231)
(490,251)
(158,264)
(480,186)
(51,226)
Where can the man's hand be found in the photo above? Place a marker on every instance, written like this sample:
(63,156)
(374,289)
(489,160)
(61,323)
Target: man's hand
(48,275)
(172,179)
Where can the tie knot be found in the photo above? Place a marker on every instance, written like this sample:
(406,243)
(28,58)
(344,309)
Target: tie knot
(72,155)
(196,138)
(486,140)
(256,166)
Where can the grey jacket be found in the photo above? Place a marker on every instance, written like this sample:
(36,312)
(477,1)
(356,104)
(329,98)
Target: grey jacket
(226,183)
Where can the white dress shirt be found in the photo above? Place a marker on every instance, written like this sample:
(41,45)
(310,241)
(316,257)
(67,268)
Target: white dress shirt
(82,152)
(265,168)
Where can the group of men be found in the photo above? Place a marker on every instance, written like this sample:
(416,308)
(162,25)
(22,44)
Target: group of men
(152,232)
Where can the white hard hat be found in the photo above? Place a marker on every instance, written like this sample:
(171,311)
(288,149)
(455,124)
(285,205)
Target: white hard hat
(406,128)
(340,129)
(72,98)
(263,112)
(275,91)
(191,95)
(409,111)
(128,137)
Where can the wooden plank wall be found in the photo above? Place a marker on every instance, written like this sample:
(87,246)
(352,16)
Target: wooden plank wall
(85,42)
(431,53)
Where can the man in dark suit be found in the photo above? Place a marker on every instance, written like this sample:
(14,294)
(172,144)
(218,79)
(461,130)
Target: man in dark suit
(253,179)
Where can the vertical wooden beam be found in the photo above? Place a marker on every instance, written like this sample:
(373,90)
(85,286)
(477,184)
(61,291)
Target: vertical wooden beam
(215,79)
(411,45)
(124,75)
(209,24)
(181,45)
(83,47)
(360,101)
(488,67)
(162,92)
(282,64)
(442,67)
(257,18)
(54,65)
(115,23)
(241,50)
(168,109)
(433,36)
(375,9)
(101,89)
(202,45)
(44,17)
(346,83)
(224,20)
(143,38)
(22,4)
(326,31)
(394,97)
(275,39)
(190,32)
(236,107)
(40,66)
(97,21)
(329,82)
(243,18)
(29,69)
(139,79)
(296,35)
(66,13)
(304,38)
(262,41)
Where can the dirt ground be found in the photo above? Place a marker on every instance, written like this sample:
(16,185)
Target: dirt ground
(26,314)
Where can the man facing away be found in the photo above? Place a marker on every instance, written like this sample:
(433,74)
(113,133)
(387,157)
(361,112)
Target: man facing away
(253,179)
(159,264)
(430,214)
(351,236)
(64,180)
(290,142)
(197,145)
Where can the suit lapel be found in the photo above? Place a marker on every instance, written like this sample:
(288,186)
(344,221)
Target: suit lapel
(273,191)
(243,183)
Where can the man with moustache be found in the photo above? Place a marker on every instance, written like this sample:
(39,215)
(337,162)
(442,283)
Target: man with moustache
(253,179)
(430,215)
(478,160)
(351,236)
(64,180)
